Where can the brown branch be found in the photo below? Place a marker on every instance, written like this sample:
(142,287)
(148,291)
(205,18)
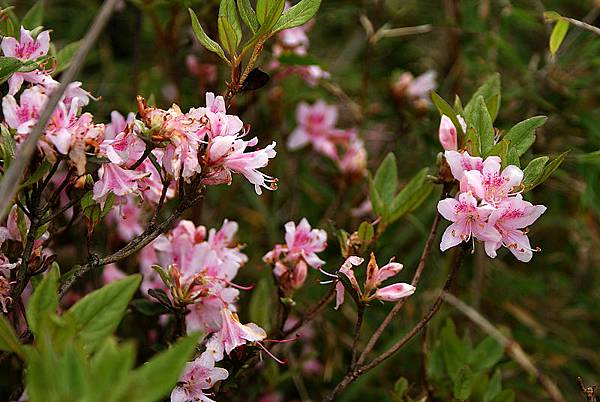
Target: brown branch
(589,392)
(10,181)
(151,233)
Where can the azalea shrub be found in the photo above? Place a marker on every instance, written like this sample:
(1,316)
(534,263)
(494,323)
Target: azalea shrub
(216,211)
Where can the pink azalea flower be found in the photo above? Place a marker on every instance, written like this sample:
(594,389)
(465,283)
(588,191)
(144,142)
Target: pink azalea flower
(511,220)
(376,276)
(115,180)
(302,241)
(220,123)
(117,124)
(125,149)
(314,125)
(447,132)
(347,270)
(354,159)
(226,154)
(26,48)
(492,185)
(232,335)
(198,376)
(461,162)
(469,221)
(421,86)
(22,116)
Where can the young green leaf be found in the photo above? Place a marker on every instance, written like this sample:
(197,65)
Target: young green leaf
(43,301)
(386,179)
(228,10)
(262,10)
(494,387)
(155,379)
(411,196)
(248,15)
(98,314)
(501,150)
(522,134)
(366,231)
(489,90)
(8,66)
(463,384)
(227,36)
(486,355)
(203,38)
(479,118)
(110,366)
(297,15)
(9,148)
(534,171)
(548,170)
(34,16)
(379,207)
(558,34)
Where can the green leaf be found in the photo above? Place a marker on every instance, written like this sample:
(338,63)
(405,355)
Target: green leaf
(203,38)
(261,304)
(65,55)
(379,207)
(534,171)
(34,16)
(508,395)
(486,354)
(365,231)
(490,91)
(265,30)
(110,367)
(148,308)
(558,34)
(445,109)
(9,147)
(9,341)
(411,195)
(452,350)
(548,170)
(227,36)
(44,301)
(294,59)
(479,118)
(262,10)
(297,15)
(551,16)
(435,363)
(512,158)
(248,15)
(98,314)
(155,379)
(472,143)
(386,179)
(228,10)
(494,387)
(8,66)
(522,134)
(463,384)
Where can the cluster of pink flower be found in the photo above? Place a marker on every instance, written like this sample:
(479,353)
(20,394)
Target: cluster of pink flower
(375,277)
(68,133)
(316,126)
(290,261)
(488,206)
(295,41)
(197,268)
(205,141)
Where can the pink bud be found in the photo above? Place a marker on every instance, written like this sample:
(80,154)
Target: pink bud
(447,134)
(395,292)
(299,275)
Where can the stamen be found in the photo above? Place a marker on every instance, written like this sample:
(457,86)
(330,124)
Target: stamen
(271,354)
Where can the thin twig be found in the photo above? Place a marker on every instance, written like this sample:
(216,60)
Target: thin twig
(512,347)
(359,370)
(10,181)
(359,320)
(583,25)
(398,306)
